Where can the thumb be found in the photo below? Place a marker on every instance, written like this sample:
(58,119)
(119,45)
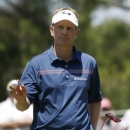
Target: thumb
(22,87)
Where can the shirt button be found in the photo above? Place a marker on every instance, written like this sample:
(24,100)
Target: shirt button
(67,77)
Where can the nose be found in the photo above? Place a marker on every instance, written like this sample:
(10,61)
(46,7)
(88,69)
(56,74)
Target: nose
(64,31)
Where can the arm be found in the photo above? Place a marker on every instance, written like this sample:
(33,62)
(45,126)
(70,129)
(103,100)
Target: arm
(22,106)
(94,112)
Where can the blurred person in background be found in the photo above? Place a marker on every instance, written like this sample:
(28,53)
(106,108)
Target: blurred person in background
(125,121)
(11,118)
(106,106)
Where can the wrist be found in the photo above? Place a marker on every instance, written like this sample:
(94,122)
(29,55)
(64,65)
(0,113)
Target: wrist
(22,104)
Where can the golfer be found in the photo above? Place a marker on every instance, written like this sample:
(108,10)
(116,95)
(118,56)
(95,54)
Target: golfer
(62,83)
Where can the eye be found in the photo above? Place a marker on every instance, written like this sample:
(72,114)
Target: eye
(69,28)
(60,27)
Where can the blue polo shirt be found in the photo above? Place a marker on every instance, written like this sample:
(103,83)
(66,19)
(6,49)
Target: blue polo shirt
(60,91)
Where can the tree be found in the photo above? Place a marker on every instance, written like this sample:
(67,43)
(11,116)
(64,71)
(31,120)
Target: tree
(23,33)
(110,46)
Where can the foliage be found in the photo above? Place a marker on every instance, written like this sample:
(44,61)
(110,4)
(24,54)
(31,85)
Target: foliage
(24,33)
(109,45)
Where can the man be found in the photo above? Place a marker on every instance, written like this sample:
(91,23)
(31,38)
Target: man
(11,118)
(62,83)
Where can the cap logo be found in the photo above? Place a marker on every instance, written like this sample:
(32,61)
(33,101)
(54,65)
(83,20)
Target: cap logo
(66,13)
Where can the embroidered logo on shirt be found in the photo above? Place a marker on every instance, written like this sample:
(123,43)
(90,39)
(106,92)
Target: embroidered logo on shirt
(80,78)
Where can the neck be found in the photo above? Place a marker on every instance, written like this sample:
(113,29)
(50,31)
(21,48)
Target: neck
(64,53)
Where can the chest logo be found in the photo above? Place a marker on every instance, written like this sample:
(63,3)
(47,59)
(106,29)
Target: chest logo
(80,78)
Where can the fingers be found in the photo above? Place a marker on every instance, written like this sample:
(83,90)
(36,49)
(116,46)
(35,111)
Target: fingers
(12,88)
(18,92)
(23,88)
(17,89)
(18,82)
(13,84)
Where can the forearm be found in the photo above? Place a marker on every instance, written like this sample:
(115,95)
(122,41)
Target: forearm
(22,105)
(94,112)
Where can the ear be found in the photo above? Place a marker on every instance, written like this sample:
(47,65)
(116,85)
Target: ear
(51,30)
(77,33)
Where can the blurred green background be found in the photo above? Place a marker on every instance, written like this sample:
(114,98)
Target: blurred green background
(24,33)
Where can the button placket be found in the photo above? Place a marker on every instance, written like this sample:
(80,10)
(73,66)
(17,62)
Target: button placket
(67,74)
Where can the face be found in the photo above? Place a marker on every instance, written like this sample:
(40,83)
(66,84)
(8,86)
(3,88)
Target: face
(64,33)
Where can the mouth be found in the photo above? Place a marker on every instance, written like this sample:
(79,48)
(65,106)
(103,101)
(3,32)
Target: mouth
(63,38)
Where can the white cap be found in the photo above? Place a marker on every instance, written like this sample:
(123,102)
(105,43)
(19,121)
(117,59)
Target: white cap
(65,15)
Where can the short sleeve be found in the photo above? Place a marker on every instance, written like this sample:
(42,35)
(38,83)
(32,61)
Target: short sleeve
(94,92)
(28,78)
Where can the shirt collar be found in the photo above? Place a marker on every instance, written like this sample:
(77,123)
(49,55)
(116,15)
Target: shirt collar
(53,57)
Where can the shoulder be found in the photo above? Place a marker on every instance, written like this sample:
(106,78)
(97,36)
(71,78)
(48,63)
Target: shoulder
(87,56)
(40,56)
(37,61)
(88,59)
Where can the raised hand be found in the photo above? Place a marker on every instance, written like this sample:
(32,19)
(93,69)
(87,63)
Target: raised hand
(18,91)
